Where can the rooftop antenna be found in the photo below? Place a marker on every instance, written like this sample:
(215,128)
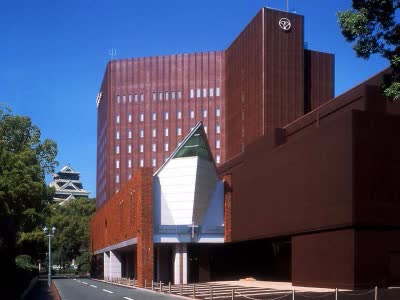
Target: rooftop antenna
(112,52)
(287,5)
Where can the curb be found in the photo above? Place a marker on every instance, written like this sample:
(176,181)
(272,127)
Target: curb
(54,291)
(32,283)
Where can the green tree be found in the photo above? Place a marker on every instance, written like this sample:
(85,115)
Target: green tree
(24,161)
(372,25)
(73,226)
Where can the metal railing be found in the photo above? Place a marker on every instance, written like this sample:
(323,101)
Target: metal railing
(214,291)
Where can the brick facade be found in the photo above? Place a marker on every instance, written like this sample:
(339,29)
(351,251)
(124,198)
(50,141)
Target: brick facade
(129,215)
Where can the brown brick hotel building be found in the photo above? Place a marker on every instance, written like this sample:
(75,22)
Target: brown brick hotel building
(238,163)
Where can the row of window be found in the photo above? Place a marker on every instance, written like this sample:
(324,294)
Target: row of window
(154,147)
(170,94)
(166,115)
(153,163)
(166,132)
(210,92)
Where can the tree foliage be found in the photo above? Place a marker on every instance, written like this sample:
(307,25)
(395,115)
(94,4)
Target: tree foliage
(373,26)
(24,161)
(24,196)
(73,226)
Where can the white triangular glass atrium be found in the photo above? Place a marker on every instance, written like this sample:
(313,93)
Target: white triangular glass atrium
(188,194)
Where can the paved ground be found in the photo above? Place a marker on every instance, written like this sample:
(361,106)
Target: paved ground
(40,291)
(87,289)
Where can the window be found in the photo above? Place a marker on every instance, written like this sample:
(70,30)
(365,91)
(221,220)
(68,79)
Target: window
(117,119)
(154,132)
(117,164)
(141,117)
(117,98)
(141,162)
(117,135)
(179,95)
(166,132)
(117,149)
(129,176)
(218,159)
(179,143)
(179,131)
(192,93)
(153,147)
(160,96)
(217,144)
(154,96)
(130,118)
(141,132)
(130,98)
(217,92)
(172,95)
(217,128)
(191,129)
(153,116)
(205,129)
(153,162)
(141,97)
(129,134)
(166,95)
(117,178)
(217,112)
(211,92)
(123,99)
(136,98)
(192,114)
(179,115)
(198,93)
(204,113)
(204,92)
(141,148)
(129,148)
(166,115)
(129,163)
(166,147)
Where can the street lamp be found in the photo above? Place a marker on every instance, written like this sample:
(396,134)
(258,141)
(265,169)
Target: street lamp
(49,234)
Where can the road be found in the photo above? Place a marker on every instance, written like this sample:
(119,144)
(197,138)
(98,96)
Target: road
(87,289)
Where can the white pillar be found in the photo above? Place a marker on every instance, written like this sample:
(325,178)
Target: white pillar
(115,264)
(180,264)
(106,264)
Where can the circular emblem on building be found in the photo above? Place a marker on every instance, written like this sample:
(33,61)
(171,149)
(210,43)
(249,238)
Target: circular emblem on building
(285,24)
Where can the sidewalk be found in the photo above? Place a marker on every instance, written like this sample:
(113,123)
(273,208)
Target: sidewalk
(40,291)
(274,285)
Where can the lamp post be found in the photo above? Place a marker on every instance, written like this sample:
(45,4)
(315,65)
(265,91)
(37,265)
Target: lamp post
(49,234)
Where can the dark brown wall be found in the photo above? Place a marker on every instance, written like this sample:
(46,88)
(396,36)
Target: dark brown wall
(284,70)
(299,186)
(324,259)
(244,81)
(307,176)
(319,79)
(264,79)
(377,258)
(376,169)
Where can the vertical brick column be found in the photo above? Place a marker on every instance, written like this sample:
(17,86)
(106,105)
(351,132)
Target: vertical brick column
(228,207)
(144,259)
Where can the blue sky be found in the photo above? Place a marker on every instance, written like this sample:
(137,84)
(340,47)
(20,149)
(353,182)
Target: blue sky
(53,54)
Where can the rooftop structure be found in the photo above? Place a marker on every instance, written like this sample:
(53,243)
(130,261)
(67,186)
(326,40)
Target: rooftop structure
(68,185)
